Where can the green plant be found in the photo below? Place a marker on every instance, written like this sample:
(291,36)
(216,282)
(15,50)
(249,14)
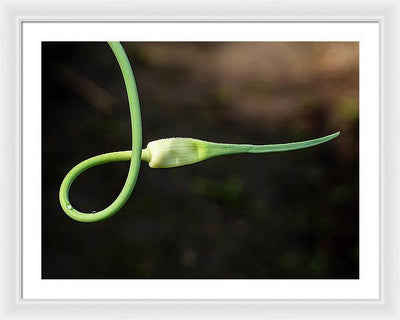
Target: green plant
(163,153)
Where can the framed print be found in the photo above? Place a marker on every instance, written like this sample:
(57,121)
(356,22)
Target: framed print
(212,231)
(234,163)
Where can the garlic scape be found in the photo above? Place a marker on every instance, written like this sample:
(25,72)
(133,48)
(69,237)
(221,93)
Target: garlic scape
(163,153)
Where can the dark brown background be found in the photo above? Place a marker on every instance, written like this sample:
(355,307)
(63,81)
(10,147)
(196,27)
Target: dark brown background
(285,215)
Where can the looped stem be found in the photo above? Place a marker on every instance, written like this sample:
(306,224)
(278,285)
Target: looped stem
(135,155)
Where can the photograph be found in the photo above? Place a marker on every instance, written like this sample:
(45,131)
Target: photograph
(200,160)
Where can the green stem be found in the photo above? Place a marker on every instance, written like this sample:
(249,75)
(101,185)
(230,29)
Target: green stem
(134,156)
(219,149)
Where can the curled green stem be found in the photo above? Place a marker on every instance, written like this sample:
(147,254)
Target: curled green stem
(135,154)
(163,153)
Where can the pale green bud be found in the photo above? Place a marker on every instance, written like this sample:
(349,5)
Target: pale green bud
(176,152)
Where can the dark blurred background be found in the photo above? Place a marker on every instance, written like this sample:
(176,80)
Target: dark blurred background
(291,215)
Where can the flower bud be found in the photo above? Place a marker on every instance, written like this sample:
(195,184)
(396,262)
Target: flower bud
(174,152)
